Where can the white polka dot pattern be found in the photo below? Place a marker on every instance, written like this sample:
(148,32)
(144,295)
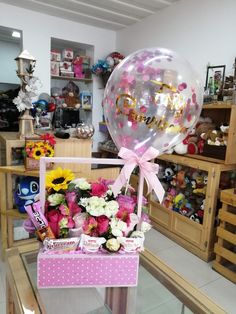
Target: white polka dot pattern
(86,270)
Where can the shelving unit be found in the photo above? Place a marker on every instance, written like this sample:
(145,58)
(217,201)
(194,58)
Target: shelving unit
(222,112)
(197,238)
(63,148)
(64,78)
(84,84)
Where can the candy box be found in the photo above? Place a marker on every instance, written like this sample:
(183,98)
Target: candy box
(77,269)
(67,54)
(55,68)
(66,66)
(55,55)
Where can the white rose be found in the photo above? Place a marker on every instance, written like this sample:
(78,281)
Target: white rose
(81,183)
(117,227)
(137,234)
(116,232)
(56,199)
(145,226)
(96,206)
(111,208)
(83,201)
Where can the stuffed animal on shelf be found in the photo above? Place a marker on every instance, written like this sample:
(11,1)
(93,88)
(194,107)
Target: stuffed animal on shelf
(78,67)
(179,179)
(225,130)
(71,101)
(27,189)
(179,202)
(200,186)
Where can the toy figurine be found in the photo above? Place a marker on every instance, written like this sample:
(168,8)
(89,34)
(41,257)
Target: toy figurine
(26,190)
(78,67)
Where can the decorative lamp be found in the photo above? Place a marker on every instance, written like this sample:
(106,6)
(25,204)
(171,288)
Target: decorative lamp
(26,64)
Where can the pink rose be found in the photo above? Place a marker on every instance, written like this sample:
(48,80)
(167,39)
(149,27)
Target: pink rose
(70,197)
(103,224)
(90,226)
(64,210)
(123,214)
(98,189)
(71,223)
(54,217)
(126,202)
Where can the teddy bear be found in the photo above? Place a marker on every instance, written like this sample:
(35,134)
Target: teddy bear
(71,101)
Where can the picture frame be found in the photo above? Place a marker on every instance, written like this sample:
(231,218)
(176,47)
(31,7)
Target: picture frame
(214,78)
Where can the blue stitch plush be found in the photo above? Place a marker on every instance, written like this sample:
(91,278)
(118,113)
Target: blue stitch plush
(26,190)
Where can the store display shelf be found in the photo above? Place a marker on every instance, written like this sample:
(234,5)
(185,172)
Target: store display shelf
(65,78)
(14,213)
(218,105)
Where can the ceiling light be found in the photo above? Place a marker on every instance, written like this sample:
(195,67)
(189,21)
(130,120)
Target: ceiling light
(16,34)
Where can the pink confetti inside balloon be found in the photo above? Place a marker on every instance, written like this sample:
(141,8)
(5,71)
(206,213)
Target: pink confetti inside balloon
(153,98)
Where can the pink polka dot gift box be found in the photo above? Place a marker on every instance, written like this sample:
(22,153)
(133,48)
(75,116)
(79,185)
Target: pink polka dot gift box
(87,270)
(91,232)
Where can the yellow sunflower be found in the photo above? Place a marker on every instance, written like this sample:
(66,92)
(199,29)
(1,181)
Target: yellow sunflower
(30,144)
(39,144)
(59,178)
(38,152)
(49,151)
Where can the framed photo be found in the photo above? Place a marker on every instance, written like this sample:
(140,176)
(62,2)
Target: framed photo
(215,78)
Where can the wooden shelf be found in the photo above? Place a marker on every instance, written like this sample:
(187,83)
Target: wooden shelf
(19,170)
(218,105)
(64,78)
(14,213)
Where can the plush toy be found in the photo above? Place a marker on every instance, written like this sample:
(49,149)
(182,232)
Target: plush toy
(179,179)
(71,101)
(225,130)
(78,67)
(179,202)
(197,216)
(213,137)
(186,210)
(169,173)
(27,189)
(168,200)
(200,186)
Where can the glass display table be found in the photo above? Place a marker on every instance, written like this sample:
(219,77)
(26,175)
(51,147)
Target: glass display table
(160,290)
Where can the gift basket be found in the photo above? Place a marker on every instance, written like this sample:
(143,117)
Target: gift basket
(90,235)
(92,232)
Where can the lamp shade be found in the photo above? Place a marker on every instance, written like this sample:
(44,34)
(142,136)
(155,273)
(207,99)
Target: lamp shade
(25,63)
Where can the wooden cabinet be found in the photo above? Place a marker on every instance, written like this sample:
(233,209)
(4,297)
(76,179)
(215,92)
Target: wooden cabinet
(222,113)
(197,238)
(11,218)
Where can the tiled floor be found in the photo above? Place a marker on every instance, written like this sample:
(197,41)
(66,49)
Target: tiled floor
(157,299)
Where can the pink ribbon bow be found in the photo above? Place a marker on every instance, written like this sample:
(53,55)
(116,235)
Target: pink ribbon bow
(148,169)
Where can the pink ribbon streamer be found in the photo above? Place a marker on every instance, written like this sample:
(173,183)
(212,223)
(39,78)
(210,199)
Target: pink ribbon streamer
(148,169)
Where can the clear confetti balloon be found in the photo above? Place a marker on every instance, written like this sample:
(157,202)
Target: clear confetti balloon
(153,98)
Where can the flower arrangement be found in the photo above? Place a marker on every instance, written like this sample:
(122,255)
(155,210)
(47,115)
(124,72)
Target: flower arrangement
(90,210)
(24,99)
(42,147)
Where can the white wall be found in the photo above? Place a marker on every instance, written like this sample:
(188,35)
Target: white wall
(37,32)
(202,31)
(8,52)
